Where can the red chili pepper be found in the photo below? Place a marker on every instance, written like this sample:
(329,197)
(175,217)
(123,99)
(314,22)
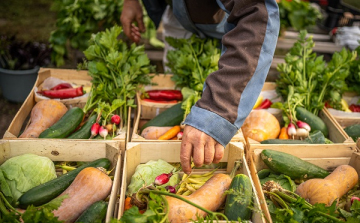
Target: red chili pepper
(327,104)
(155,101)
(265,104)
(61,86)
(165,95)
(63,93)
(354,108)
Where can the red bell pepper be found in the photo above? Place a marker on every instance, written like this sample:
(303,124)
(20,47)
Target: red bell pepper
(165,95)
(354,108)
(265,104)
(155,101)
(61,86)
(63,93)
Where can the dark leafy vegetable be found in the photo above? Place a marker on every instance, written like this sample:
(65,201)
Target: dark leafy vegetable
(19,55)
(353,80)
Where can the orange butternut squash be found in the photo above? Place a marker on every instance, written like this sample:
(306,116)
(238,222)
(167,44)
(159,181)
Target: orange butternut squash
(261,125)
(44,114)
(210,196)
(90,185)
(331,188)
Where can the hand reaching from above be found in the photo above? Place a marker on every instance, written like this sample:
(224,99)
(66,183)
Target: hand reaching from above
(199,145)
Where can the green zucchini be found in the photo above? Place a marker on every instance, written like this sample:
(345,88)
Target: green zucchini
(170,117)
(85,131)
(44,193)
(353,131)
(239,209)
(66,125)
(314,121)
(292,166)
(283,141)
(96,213)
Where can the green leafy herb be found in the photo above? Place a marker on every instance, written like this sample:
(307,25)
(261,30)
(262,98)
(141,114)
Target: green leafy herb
(314,80)
(283,180)
(191,61)
(353,80)
(297,14)
(117,72)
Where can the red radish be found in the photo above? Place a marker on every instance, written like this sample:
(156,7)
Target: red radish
(103,131)
(171,189)
(94,130)
(303,125)
(291,130)
(115,119)
(162,179)
(302,133)
(179,135)
(354,198)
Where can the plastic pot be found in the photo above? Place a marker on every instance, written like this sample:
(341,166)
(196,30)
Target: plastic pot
(16,85)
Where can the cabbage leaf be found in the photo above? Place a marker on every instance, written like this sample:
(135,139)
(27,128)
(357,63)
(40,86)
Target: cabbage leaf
(145,174)
(21,173)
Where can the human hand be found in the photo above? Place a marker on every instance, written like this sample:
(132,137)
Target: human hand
(199,145)
(132,12)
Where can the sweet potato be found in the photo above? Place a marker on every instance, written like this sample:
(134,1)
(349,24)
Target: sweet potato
(44,114)
(153,132)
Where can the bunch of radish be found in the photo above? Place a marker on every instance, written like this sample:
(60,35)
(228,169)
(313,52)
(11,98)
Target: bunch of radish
(301,129)
(103,130)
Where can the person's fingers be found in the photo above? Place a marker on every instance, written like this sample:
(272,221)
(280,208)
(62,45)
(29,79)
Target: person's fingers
(209,152)
(140,23)
(185,156)
(126,24)
(219,153)
(198,150)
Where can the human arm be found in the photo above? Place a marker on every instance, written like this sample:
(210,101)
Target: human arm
(132,12)
(230,93)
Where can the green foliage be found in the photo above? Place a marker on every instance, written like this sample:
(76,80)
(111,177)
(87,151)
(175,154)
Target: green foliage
(353,80)
(312,79)
(77,20)
(191,61)
(297,14)
(117,72)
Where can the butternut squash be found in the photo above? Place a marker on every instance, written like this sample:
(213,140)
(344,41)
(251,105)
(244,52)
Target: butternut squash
(261,125)
(153,132)
(331,188)
(210,196)
(44,114)
(90,185)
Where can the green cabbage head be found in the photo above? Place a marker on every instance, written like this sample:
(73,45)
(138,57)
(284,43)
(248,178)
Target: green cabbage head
(21,173)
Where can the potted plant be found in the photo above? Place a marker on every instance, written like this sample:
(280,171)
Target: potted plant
(19,65)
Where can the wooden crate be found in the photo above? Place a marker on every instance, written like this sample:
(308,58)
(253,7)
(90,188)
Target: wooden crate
(343,119)
(137,153)
(325,161)
(343,144)
(64,150)
(22,116)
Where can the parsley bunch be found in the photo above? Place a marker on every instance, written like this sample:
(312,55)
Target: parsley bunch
(297,14)
(117,72)
(191,61)
(77,20)
(311,77)
(353,80)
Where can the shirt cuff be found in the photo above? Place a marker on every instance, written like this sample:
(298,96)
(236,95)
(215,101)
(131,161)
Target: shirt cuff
(212,124)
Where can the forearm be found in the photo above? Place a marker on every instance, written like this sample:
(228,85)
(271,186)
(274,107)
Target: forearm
(231,92)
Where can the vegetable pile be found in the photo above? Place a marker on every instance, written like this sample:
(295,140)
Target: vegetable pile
(30,183)
(154,200)
(317,195)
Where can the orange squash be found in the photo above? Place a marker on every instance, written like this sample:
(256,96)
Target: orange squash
(331,188)
(44,114)
(261,125)
(89,186)
(210,196)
